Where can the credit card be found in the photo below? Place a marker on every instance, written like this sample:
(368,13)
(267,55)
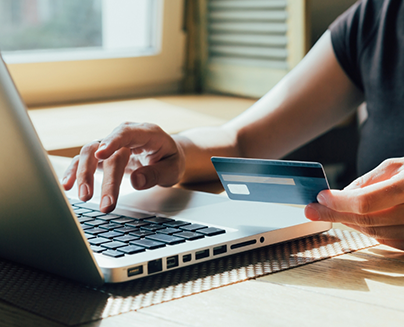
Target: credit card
(276,181)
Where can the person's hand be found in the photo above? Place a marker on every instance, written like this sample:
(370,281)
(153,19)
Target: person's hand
(373,204)
(145,151)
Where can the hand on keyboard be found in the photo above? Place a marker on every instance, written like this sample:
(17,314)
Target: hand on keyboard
(145,151)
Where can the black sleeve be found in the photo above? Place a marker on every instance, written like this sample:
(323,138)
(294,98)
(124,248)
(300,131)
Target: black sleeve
(344,33)
(350,34)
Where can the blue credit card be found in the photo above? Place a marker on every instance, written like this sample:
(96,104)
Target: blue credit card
(277,181)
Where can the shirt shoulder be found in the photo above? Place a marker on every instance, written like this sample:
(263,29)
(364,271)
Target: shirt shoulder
(351,33)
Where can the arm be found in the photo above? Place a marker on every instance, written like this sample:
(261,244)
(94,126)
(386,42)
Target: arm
(315,96)
(312,98)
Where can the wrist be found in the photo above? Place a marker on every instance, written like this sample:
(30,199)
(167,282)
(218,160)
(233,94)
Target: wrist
(180,142)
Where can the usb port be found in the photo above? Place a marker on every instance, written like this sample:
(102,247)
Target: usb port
(186,258)
(172,262)
(219,249)
(135,271)
(154,266)
(202,254)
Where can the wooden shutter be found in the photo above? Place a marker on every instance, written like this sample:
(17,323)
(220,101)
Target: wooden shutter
(252,44)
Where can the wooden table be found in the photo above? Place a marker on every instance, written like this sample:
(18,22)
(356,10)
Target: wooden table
(65,129)
(364,288)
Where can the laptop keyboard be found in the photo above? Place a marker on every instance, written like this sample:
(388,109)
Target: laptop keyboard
(117,235)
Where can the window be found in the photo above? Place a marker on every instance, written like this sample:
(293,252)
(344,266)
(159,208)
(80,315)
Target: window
(52,30)
(50,24)
(92,49)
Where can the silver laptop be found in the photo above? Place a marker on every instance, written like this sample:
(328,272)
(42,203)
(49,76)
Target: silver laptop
(150,232)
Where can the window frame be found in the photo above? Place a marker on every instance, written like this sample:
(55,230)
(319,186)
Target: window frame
(46,83)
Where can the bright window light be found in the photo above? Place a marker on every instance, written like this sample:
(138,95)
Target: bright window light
(64,30)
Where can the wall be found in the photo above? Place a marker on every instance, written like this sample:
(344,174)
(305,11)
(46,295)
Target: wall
(323,13)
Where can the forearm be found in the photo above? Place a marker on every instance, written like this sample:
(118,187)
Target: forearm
(311,99)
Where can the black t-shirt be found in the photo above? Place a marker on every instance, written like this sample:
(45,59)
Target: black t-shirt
(368,41)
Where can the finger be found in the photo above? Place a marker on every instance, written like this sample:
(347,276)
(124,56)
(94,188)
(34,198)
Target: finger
(398,244)
(85,171)
(133,164)
(375,197)
(138,137)
(114,169)
(395,243)
(386,218)
(69,177)
(386,170)
(164,173)
(384,233)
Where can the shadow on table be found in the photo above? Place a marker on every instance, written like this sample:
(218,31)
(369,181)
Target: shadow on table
(382,265)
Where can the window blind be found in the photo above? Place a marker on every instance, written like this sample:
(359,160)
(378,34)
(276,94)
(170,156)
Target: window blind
(252,44)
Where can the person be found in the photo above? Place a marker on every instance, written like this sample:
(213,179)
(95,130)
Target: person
(359,58)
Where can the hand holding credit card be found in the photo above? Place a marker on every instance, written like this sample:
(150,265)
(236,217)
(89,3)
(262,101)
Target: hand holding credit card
(276,181)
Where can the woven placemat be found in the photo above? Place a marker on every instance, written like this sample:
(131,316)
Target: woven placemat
(71,303)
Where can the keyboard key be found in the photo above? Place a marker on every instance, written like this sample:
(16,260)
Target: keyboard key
(126,238)
(158,220)
(141,233)
(126,229)
(111,226)
(75,201)
(84,219)
(109,216)
(168,239)
(84,227)
(176,223)
(169,231)
(97,249)
(79,211)
(190,236)
(113,253)
(89,236)
(113,245)
(95,231)
(139,215)
(131,249)
(98,240)
(110,234)
(148,244)
(88,205)
(93,214)
(136,224)
(123,220)
(152,227)
(95,222)
(211,231)
(192,227)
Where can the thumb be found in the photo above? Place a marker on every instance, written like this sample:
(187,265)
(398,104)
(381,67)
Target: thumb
(166,172)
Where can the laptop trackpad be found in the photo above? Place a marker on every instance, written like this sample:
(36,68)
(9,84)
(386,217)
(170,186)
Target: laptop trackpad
(213,209)
(168,200)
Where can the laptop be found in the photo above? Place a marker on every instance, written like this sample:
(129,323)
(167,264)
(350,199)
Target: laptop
(150,232)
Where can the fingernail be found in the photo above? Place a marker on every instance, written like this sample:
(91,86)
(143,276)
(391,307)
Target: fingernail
(106,202)
(140,180)
(311,213)
(322,199)
(84,191)
(101,147)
